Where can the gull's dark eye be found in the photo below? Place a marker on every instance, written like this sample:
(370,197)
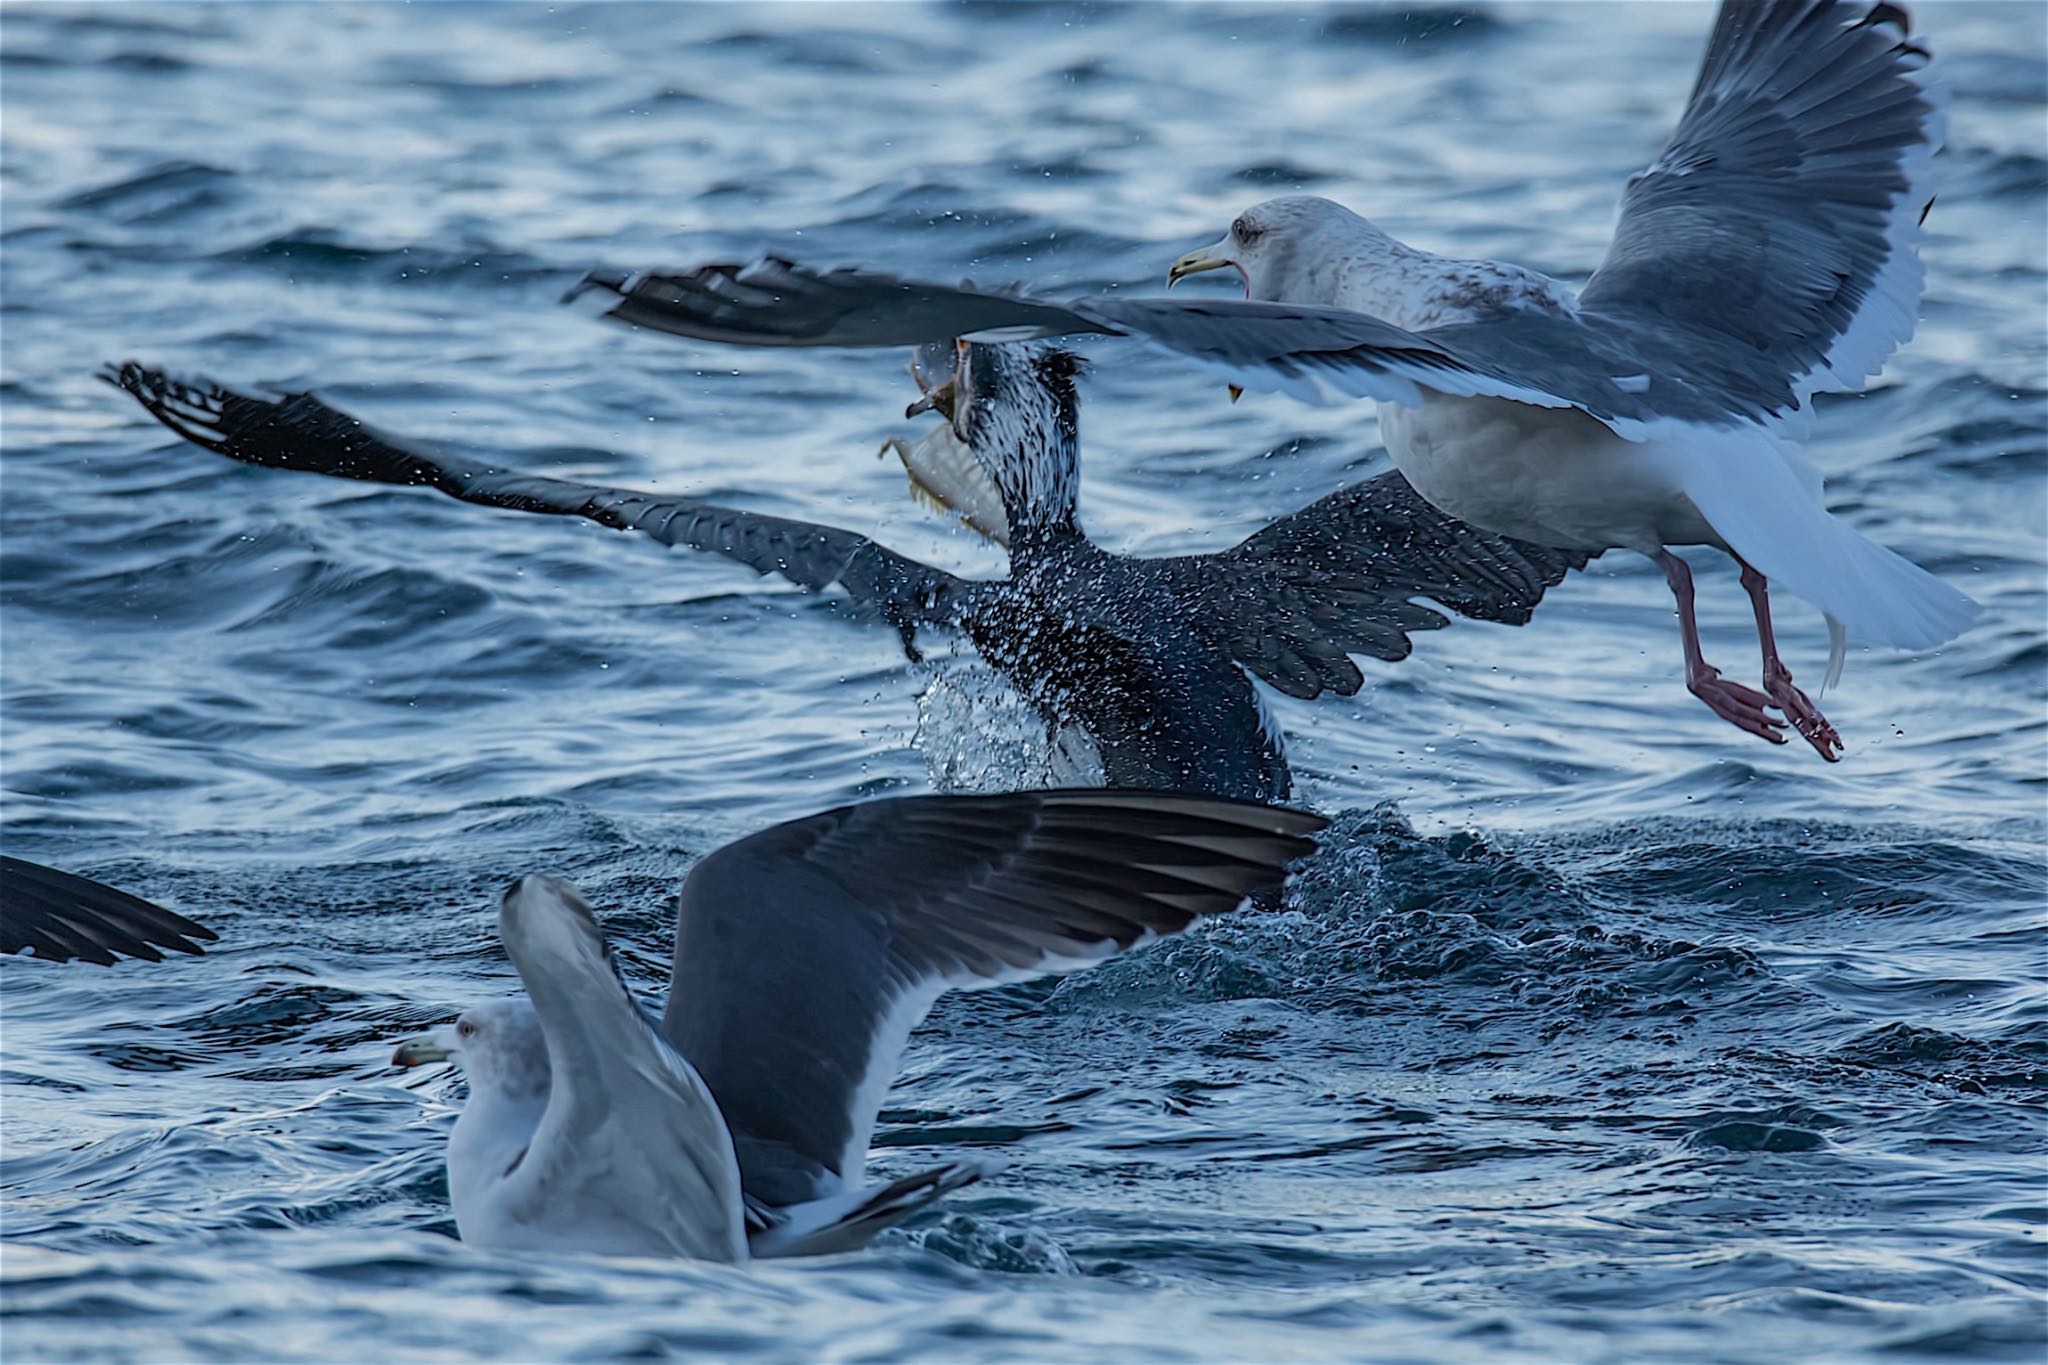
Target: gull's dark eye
(466,1029)
(1246,231)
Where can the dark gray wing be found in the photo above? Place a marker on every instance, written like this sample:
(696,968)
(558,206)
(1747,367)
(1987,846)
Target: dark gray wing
(1784,213)
(805,954)
(775,302)
(1769,251)
(1294,601)
(61,916)
(1267,347)
(298,431)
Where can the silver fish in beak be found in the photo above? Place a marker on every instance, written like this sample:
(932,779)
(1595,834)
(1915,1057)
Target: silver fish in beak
(944,473)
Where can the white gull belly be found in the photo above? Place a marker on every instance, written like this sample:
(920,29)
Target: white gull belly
(1550,475)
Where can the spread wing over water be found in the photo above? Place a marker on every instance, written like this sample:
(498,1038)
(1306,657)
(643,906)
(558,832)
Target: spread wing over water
(1265,347)
(806,953)
(1769,251)
(61,916)
(1293,601)
(298,431)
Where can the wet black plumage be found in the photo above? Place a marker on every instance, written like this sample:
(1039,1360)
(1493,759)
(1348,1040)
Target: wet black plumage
(1151,658)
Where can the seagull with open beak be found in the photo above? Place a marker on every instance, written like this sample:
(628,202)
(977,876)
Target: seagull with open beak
(1210,258)
(1215,257)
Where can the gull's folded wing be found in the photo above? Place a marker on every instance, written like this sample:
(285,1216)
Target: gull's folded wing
(852,1218)
(806,953)
(298,431)
(62,916)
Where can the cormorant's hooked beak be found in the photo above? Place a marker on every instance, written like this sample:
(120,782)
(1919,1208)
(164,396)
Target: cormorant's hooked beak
(939,400)
(424,1050)
(1208,258)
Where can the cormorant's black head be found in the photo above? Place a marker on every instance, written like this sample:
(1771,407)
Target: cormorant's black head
(1015,408)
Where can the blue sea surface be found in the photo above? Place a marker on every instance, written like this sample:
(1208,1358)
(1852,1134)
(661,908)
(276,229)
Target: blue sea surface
(1596,1031)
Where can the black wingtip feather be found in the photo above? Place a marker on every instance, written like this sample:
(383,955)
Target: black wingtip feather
(63,917)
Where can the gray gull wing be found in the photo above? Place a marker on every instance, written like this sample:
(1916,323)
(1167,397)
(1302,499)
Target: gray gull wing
(1298,349)
(806,953)
(631,1154)
(1768,252)
(299,431)
(61,916)
(1783,215)
(1266,347)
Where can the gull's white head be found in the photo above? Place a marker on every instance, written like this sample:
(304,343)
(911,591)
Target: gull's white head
(498,1045)
(1295,249)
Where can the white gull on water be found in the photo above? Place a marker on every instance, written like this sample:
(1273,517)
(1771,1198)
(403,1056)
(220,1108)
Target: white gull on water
(1768,253)
(805,954)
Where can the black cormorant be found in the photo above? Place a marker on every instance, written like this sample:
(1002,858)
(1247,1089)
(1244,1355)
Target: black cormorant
(1150,658)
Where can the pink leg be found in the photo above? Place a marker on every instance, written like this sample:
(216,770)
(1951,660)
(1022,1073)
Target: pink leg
(1740,706)
(1804,715)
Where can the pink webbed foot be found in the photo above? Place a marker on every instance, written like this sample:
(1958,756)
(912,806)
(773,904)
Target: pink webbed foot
(1800,710)
(1745,708)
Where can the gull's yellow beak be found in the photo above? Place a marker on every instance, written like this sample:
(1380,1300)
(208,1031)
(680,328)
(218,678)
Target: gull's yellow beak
(1194,263)
(427,1048)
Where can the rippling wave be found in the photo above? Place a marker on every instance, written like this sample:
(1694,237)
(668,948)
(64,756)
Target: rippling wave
(1595,1031)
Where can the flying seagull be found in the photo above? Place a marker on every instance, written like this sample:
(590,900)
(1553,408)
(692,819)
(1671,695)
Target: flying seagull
(1148,661)
(805,954)
(1768,253)
(61,916)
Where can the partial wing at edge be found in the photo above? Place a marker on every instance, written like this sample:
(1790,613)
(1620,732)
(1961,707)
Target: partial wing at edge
(62,916)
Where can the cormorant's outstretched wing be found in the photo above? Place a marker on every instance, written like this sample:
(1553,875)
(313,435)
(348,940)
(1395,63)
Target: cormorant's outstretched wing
(1295,600)
(62,916)
(298,431)
(806,953)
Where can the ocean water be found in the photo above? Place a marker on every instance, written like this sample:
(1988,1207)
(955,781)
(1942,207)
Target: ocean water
(1596,1031)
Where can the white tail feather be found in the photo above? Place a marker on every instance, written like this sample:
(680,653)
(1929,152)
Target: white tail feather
(1757,504)
(1838,651)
